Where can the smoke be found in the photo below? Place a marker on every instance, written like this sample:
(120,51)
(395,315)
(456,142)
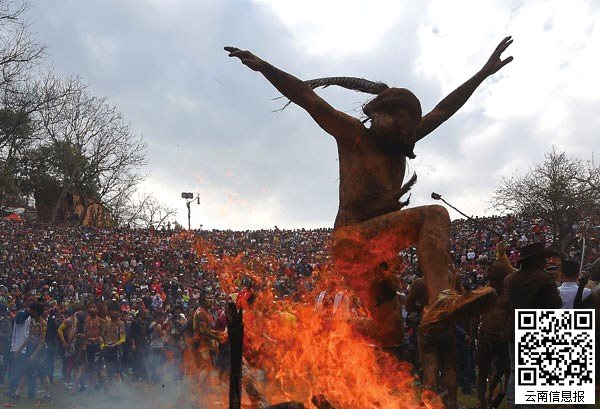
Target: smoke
(162,395)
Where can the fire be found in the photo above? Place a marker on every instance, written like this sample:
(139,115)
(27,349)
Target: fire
(306,353)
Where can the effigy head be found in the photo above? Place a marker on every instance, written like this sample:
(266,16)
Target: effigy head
(395,114)
(394,99)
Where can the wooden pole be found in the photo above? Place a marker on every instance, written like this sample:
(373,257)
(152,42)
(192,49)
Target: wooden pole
(235,329)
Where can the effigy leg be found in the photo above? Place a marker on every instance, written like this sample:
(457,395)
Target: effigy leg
(445,304)
(363,253)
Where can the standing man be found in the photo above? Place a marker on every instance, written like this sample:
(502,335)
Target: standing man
(416,301)
(114,339)
(139,345)
(569,275)
(27,341)
(51,340)
(530,287)
(72,344)
(205,338)
(492,348)
(176,340)
(94,331)
(370,229)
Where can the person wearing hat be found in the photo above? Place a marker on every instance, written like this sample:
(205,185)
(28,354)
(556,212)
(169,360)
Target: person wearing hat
(529,287)
(125,305)
(371,227)
(568,275)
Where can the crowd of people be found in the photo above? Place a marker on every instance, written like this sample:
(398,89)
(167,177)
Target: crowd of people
(101,306)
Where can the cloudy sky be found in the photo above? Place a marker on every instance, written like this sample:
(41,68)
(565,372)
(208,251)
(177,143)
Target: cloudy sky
(209,121)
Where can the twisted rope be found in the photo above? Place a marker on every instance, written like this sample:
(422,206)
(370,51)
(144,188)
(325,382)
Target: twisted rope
(351,83)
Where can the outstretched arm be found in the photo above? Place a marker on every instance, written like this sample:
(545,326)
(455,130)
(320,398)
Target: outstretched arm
(457,98)
(334,122)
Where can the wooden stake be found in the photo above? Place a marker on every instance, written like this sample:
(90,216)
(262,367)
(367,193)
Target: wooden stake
(235,329)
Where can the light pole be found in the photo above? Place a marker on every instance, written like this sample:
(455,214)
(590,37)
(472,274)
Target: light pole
(189,198)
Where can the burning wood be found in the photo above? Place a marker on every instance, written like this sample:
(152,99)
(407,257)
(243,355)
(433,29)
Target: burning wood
(321,402)
(287,405)
(240,372)
(249,382)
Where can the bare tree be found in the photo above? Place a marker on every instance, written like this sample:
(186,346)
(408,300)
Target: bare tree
(21,111)
(591,175)
(19,53)
(97,132)
(18,50)
(95,155)
(143,210)
(562,190)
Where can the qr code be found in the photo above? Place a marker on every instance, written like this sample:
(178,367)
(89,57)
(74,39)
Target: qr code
(554,356)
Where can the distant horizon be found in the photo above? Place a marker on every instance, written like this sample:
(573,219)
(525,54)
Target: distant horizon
(263,228)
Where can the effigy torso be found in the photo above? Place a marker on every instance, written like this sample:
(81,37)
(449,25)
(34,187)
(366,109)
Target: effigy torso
(370,180)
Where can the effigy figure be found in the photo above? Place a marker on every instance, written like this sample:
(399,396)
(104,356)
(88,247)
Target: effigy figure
(370,228)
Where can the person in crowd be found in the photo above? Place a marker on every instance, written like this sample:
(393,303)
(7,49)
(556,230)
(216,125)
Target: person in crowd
(569,274)
(465,363)
(205,338)
(416,300)
(51,341)
(94,332)
(157,357)
(176,343)
(529,288)
(70,336)
(114,340)
(27,343)
(222,353)
(138,347)
(492,348)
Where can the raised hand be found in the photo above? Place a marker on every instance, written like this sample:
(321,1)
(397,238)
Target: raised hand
(246,57)
(494,63)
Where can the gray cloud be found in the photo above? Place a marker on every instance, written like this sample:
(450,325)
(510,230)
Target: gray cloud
(209,123)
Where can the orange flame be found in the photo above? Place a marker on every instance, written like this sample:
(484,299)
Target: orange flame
(304,352)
